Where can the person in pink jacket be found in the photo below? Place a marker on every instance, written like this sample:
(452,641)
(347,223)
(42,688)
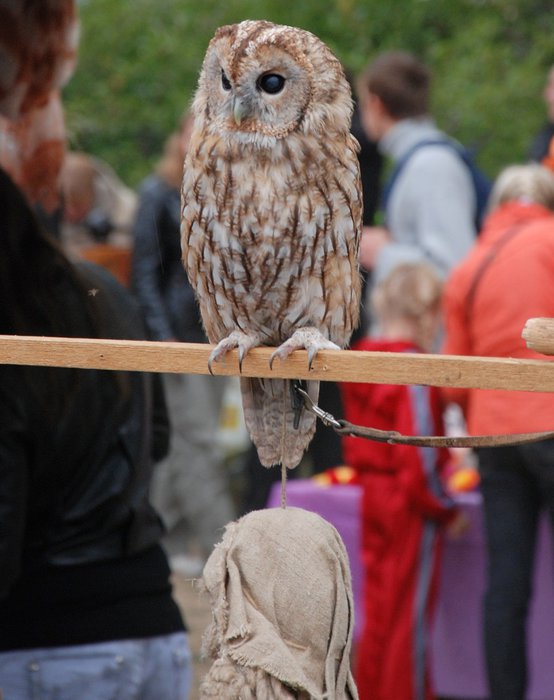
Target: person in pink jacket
(506,279)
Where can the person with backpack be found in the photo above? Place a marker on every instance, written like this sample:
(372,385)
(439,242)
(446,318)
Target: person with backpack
(435,195)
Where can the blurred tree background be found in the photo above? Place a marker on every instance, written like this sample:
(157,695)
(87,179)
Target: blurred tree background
(139,61)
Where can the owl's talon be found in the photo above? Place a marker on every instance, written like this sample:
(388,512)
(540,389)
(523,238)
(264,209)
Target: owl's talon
(214,357)
(306,338)
(242,355)
(312,352)
(274,354)
(243,342)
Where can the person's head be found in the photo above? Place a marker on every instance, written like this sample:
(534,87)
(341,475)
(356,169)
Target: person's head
(77,186)
(395,86)
(548,94)
(530,183)
(170,166)
(32,270)
(407,304)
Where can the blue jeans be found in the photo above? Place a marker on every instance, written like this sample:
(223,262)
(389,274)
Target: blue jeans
(147,669)
(517,483)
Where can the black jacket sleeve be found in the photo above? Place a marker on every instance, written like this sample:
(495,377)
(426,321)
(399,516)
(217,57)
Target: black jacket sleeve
(148,260)
(161,430)
(13,479)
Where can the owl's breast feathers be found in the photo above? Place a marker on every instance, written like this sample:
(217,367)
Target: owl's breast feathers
(270,236)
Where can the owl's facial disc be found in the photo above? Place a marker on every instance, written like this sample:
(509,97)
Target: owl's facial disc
(255,93)
(270,83)
(270,96)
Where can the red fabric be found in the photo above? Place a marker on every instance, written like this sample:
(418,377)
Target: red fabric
(516,286)
(397,502)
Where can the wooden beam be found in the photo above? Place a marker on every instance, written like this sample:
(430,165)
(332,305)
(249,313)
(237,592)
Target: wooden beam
(340,365)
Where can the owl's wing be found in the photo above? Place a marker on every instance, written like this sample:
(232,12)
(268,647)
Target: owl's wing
(199,206)
(341,187)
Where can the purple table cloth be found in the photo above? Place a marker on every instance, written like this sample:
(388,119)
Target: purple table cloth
(457,658)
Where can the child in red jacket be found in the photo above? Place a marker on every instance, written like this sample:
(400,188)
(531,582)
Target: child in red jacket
(404,505)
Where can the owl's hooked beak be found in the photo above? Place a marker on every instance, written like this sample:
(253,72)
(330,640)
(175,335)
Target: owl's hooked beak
(240,110)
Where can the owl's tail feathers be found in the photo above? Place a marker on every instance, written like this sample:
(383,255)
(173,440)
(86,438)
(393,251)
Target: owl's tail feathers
(270,417)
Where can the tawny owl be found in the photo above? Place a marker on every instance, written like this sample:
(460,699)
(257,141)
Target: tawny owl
(272,213)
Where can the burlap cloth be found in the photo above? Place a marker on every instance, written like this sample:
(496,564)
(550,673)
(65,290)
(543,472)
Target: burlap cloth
(282,607)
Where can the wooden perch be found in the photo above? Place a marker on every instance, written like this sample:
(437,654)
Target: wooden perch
(539,335)
(339,365)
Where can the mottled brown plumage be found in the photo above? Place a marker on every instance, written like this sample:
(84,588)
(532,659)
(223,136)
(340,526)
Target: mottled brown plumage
(272,212)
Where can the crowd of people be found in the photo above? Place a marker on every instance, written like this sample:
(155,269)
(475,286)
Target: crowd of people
(111,481)
(496,274)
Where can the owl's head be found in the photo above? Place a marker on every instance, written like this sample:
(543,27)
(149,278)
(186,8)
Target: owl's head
(261,80)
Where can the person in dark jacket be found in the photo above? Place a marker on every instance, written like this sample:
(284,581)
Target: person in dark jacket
(86,607)
(190,488)
(159,280)
(542,146)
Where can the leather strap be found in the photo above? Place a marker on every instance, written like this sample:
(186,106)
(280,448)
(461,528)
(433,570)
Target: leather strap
(395,438)
(485,263)
(344,427)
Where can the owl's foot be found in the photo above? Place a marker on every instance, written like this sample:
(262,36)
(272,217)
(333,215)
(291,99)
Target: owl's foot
(237,339)
(308,338)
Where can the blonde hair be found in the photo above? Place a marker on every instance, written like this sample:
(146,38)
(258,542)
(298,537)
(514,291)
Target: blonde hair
(532,182)
(412,293)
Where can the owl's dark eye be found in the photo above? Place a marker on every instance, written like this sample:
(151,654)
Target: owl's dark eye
(225,84)
(272,83)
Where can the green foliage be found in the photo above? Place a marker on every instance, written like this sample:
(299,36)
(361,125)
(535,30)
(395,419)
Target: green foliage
(139,62)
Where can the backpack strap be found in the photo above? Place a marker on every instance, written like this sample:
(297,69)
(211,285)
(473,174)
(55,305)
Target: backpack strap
(485,264)
(399,165)
(481,184)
